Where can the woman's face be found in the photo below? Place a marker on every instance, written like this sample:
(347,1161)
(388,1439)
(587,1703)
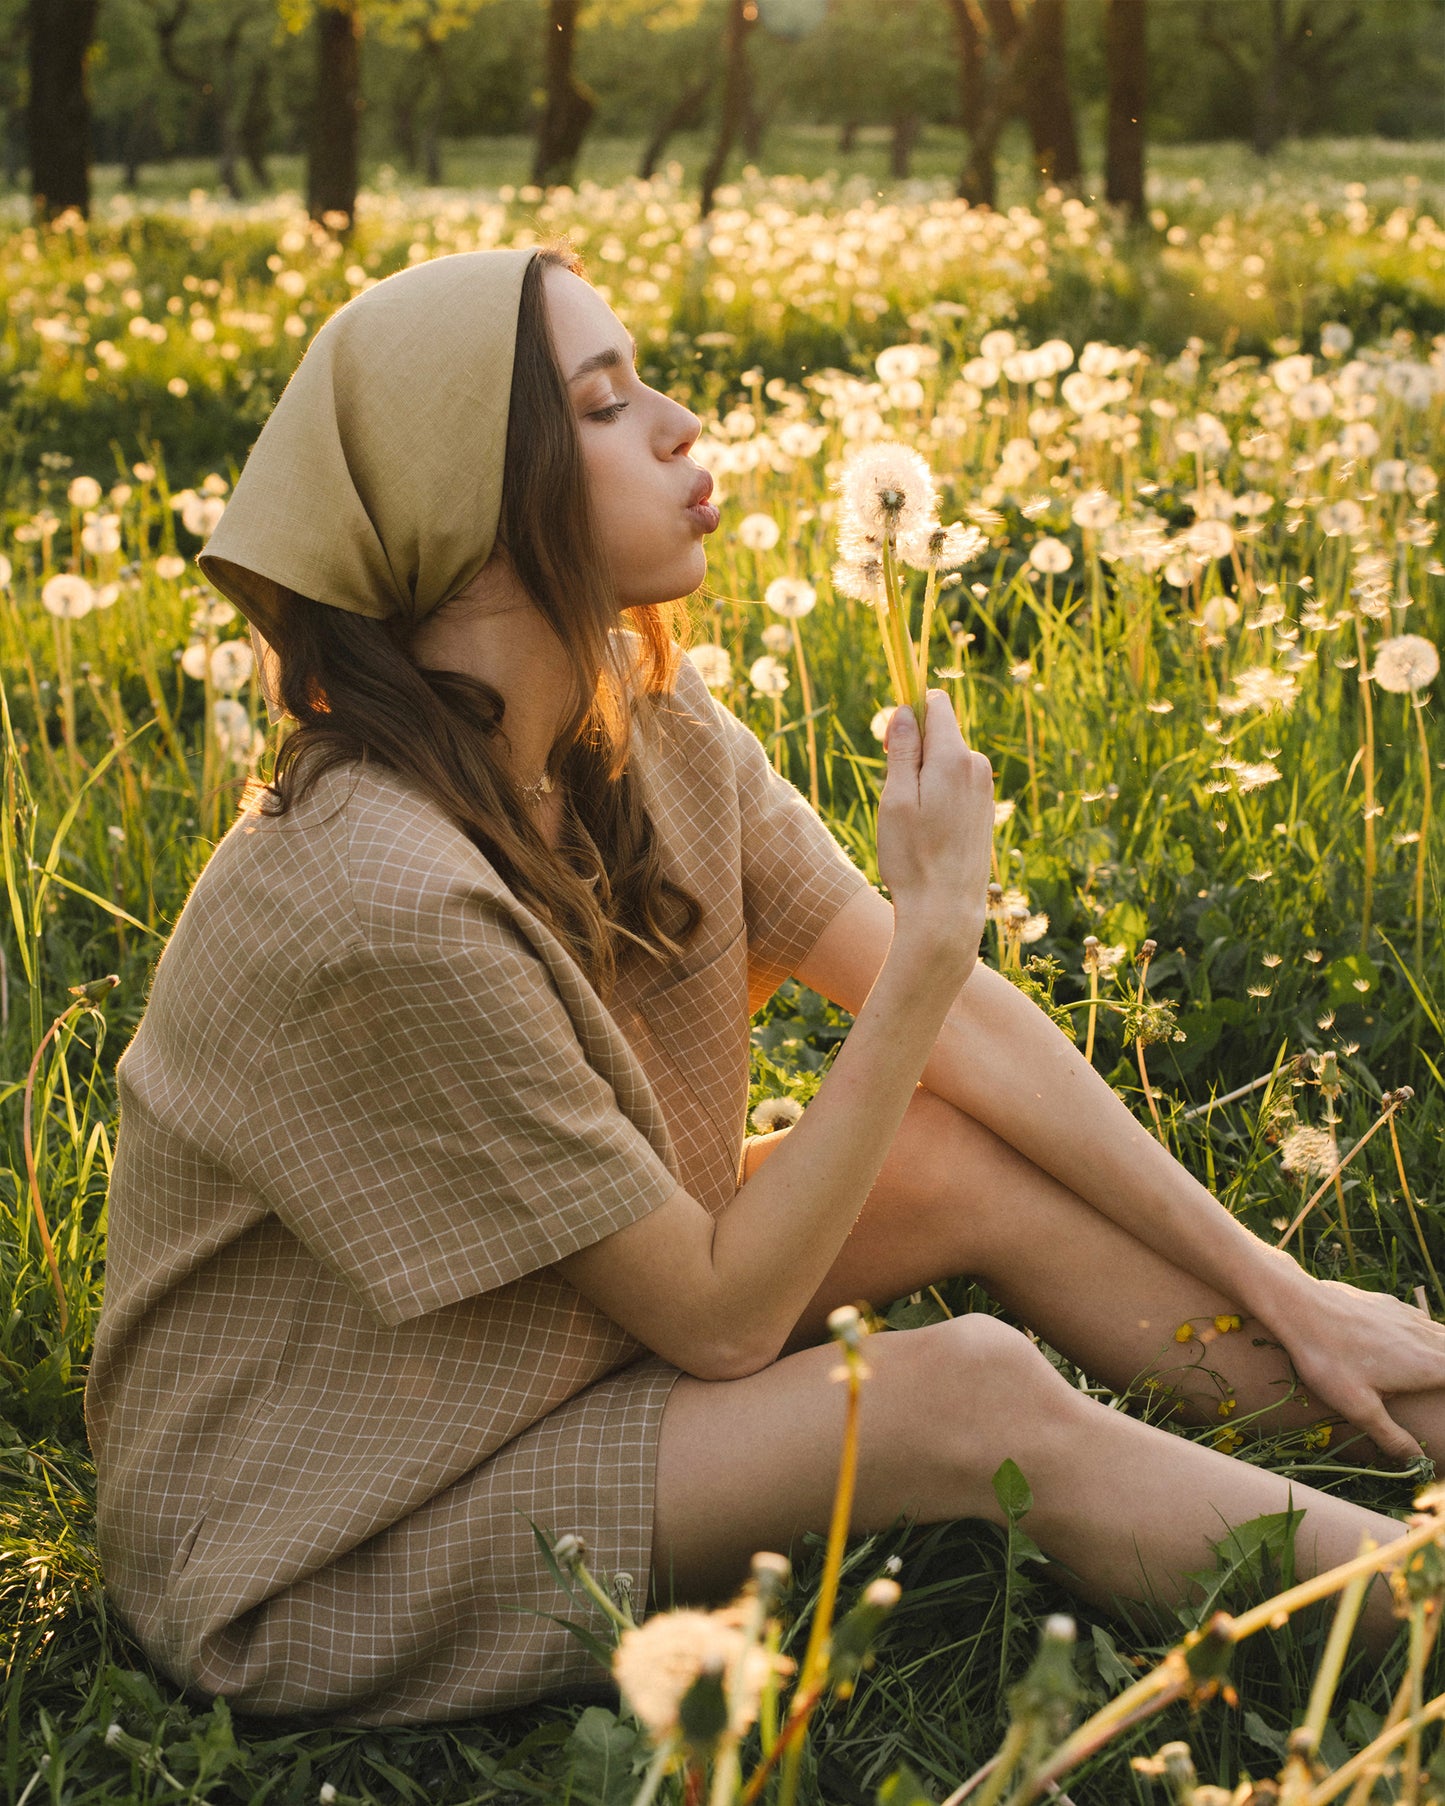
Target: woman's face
(649,500)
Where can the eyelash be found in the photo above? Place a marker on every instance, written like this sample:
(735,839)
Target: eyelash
(608,413)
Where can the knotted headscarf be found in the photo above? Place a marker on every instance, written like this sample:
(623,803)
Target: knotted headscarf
(376,483)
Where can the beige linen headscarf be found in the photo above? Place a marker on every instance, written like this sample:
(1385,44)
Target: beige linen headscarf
(376,483)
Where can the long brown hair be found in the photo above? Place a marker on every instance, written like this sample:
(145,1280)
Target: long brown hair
(356,693)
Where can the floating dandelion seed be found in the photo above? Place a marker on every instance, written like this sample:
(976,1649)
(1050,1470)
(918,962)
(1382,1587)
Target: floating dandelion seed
(1407,663)
(791,597)
(714,665)
(68,597)
(1256,776)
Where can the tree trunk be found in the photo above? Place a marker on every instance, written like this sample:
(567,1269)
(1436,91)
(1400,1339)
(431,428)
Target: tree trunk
(736,97)
(58,116)
(753,124)
(682,118)
(906,127)
(1269,95)
(431,140)
(847,137)
(333,155)
(569,107)
(256,121)
(1127,55)
(227,123)
(1048,104)
(982,124)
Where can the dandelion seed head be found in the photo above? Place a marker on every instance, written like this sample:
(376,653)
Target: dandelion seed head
(67,596)
(1310,1153)
(1405,664)
(1051,556)
(767,676)
(714,665)
(791,597)
(887,486)
(758,532)
(775,1113)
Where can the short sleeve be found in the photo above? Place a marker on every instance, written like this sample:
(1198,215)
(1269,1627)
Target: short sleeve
(429,1125)
(796,877)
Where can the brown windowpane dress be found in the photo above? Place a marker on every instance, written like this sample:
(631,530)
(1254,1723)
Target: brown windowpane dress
(372,1100)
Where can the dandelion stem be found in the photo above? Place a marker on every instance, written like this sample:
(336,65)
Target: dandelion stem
(1368,766)
(1315,1196)
(1327,1675)
(1410,1206)
(815,1661)
(1418,710)
(1093,1012)
(809,725)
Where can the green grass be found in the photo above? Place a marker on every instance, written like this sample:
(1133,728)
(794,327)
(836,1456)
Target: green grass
(1131,818)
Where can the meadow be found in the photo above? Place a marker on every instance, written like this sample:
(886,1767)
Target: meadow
(1194,623)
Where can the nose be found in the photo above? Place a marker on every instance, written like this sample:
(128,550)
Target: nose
(682,427)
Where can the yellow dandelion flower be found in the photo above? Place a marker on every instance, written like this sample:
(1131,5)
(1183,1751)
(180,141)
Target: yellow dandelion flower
(1184,1333)
(1225,1322)
(1226,1407)
(1227,1441)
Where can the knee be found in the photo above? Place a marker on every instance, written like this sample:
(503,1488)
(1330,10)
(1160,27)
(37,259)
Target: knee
(986,1393)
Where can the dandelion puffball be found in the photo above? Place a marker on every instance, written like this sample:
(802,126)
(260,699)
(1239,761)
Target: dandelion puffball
(6,571)
(1405,664)
(767,676)
(878,726)
(1210,539)
(1050,556)
(231,664)
(791,597)
(67,597)
(656,1663)
(84,492)
(193,660)
(169,567)
(886,486)
(759,532)
(777,639)
(714,665)
(941,548)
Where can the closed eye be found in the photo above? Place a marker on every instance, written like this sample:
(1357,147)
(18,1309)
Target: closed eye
(607,413)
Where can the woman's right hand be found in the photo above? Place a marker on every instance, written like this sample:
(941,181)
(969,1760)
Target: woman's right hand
(935,834)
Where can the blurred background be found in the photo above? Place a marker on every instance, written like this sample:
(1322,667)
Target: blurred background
(1000,97)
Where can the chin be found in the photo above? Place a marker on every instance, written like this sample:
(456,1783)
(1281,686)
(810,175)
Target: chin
(671,584)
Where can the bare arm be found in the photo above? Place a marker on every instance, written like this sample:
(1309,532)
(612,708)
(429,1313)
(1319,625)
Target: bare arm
(720,1296)
(1001,1061)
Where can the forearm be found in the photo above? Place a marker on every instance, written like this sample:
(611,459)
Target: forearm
(776,1240)
(999,1059)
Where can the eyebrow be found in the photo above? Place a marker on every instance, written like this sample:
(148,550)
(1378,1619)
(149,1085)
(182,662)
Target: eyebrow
(610,359)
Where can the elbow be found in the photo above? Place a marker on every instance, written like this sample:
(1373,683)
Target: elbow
(727,1358)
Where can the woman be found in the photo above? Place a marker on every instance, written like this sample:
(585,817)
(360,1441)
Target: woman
(428,1219)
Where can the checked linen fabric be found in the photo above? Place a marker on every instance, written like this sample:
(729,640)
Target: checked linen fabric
(371,1101)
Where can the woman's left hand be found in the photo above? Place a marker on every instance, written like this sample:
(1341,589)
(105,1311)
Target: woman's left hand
(1354,1351)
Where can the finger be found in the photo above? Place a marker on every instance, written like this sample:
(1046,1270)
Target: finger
(1393,1442)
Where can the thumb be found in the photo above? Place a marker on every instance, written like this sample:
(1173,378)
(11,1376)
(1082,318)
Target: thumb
(904,743)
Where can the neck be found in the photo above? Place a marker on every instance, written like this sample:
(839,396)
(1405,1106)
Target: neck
(493,631)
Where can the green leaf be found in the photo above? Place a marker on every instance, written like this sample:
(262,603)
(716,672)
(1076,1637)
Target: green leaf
(1012,1491)
(600,1755)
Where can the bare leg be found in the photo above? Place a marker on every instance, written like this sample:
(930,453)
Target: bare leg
(749,1464)
(953,1198)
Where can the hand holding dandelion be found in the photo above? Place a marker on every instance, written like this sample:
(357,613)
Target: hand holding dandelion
(935,832)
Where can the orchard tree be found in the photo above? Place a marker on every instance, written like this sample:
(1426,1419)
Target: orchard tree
(1126,38)
(1011,61)
(61,33)
(215,49)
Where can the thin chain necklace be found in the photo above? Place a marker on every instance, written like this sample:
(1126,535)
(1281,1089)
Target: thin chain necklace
(532,794)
